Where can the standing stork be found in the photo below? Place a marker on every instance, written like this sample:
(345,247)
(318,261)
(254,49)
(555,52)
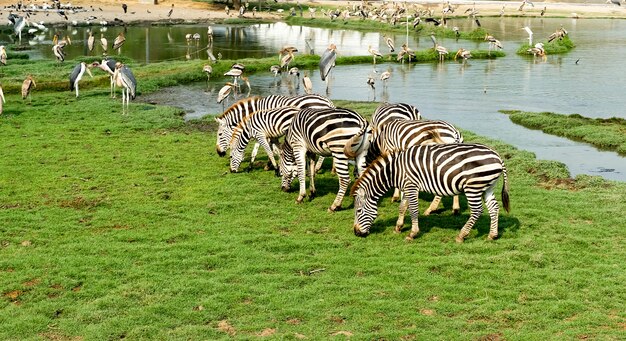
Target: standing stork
(208,70)
(124,78)
(18,25)
(225,92)
(493,43)
(463,53)
(108,66)
(530,34)
(27,86)
(235,73)
(308,85)
(286,60)
(58,52)
(390,44)
(118,42)
(77,75)
(374,53)
(90,41)
(384,77)
(327,62)
(104,43)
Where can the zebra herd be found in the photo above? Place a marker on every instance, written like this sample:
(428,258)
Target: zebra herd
(397,149)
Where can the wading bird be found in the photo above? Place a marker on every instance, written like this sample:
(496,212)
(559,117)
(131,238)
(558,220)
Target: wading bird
(384,77)
(235,73)
(18,25)
(327,62)
(308,85)
(371,82)
(90,41)
(77,75)
(463,53)
(530,34)
(493,43)
(124,78)
(374,53)
(208,70)
(225,92)
(27,86)
(275,69)
(104,43)
(58,52)
(442,52)
(286,60)
(294,71)
(108,66)
(118,42)
(390,44)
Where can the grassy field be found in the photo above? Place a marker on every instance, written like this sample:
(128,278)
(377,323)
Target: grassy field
(607,134)
(130,226)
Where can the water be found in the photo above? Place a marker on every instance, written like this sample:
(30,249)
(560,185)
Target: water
(467,95)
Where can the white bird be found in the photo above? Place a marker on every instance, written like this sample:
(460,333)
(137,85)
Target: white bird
(104,43)
(225,92)
(77,75)
(530,34)
(124,78)
(58,52)
(275,69)
(308,85)
(208,70)
(374,53)
(3,55)
(119,41)
(90,41)
(385,76)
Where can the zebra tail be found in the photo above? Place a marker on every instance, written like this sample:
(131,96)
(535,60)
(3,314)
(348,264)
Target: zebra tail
(347,149)
(505,190)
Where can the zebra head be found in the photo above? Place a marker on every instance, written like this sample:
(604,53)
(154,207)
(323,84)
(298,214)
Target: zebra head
(224,133)
(287,166)
(365,212)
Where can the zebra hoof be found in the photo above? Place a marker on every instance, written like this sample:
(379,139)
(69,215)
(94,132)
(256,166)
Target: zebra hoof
(333,208)
(409,238)
(427,212)
(492,237)
(398,229)
(459,239)
(456,211)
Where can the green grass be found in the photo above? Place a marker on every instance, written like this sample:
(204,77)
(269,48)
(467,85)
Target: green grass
(118,226)
(608,134)
(556,46)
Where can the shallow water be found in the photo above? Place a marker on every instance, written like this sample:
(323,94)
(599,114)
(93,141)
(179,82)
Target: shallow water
(468,95)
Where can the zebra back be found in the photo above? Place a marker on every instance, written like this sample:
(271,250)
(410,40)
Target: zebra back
(230,118)
(270,122)
(401,134)
(387,112)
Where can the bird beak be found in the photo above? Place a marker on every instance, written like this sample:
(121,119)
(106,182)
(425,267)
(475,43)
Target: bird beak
(89,72)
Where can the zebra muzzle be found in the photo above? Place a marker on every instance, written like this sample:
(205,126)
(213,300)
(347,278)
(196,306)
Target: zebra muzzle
(220,152)
(358,232)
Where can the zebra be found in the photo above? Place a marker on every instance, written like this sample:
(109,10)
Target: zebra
(388,112)
(401,134)
(260,125)
(440,169)
(322,132)
(230,118)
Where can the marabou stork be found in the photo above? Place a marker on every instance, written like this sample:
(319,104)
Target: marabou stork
(77,75)
(118,42)
(108,66)
(308,85)
(327,62)
(124,78)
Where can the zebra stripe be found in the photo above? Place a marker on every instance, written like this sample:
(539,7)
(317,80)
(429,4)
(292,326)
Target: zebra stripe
(440,169)
(388,112)
(321,132)
(260,125)
(401,134)
(230,118)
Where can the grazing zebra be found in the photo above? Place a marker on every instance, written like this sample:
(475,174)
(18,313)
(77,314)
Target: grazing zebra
(440,169)
(230,118)
(388,112)
(260,125)
(402,134)
(322,132)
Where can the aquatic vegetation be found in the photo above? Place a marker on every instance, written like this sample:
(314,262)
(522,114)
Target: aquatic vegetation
(607,134)
(557,46)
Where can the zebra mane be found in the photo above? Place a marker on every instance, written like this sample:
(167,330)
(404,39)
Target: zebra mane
(239,102)
(380,160)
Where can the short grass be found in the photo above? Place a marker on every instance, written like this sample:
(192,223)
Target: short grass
(557,46)
(130,226)
(607,134)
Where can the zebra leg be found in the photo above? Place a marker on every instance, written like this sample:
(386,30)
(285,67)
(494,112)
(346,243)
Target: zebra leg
(270,154)
(319,163)
(343,173)
(271,149)
(433,205)
(475,203)
(404,204)
(494,210)
(312,178)
(255,150)
(411,193)
(300,157)
(456,206)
